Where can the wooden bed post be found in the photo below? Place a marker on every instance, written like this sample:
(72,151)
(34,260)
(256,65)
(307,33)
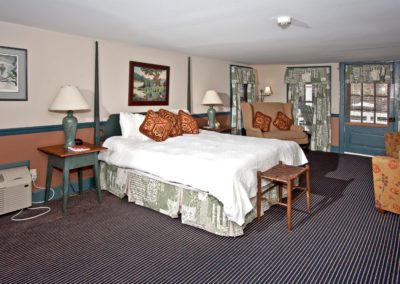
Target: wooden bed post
(96,139)
(189,86)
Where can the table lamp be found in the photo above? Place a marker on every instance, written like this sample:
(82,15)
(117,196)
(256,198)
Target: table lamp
(69,99)
(211,99)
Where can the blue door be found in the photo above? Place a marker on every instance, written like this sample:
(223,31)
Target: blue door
(367,107)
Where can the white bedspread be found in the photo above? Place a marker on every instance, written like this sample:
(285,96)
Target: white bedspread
(221,164)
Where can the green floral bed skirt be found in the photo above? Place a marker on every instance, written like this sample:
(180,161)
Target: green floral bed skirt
(197,208)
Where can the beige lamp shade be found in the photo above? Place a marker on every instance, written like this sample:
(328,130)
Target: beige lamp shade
(211,98)
(268,91)
(69,98)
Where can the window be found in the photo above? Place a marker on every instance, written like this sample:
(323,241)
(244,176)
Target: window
(367,103)
(306,108)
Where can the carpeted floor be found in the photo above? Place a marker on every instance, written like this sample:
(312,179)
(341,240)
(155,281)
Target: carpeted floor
(344,239)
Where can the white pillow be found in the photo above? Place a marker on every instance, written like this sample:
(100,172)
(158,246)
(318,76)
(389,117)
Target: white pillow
(130,124)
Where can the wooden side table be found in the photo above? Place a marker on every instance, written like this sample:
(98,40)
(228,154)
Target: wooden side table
(283,174)
(66,160)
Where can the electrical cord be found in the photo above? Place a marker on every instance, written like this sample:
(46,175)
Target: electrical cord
(48,209)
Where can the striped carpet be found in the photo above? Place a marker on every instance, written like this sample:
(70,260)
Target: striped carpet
(343,240)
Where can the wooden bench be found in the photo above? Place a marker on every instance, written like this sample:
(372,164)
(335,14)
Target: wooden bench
(285,175)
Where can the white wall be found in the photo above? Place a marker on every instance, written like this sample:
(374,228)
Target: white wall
(56,59)
(210,74)
(273,75)
(114,60)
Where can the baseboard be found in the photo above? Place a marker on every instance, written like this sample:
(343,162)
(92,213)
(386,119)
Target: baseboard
(24,163)
(38,195)
(335,149)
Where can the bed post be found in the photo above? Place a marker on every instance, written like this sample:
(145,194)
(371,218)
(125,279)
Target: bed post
(96,139)
(189,87)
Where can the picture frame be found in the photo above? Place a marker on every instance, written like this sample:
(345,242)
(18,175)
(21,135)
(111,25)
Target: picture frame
(148,84)
(13,74)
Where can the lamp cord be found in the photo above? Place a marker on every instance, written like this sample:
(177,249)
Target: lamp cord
(48,209)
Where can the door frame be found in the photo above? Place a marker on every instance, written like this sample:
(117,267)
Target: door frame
(342,106)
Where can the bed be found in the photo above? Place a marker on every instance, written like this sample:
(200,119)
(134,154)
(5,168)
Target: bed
(208,178)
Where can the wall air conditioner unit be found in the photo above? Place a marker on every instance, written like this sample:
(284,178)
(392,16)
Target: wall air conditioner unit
(15,189)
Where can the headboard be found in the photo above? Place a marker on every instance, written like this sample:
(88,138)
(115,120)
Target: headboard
(110,127)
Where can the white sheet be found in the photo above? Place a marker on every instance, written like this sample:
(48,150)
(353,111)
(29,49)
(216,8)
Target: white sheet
(221,164)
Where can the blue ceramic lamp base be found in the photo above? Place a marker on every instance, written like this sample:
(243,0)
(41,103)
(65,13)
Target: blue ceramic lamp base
(211,117)
(70,124)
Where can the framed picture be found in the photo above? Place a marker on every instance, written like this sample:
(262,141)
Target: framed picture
(13,74)
(148,84)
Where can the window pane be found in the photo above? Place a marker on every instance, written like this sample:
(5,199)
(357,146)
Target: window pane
(309,96)
(382,89)
(381,110)
(355,116)
(368,89)
(355,89)
(355,103)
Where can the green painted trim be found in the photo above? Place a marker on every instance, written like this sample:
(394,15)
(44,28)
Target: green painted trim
(198,115)
(335,115)
(335,149)
(39,129)
(24,163)
(38,195)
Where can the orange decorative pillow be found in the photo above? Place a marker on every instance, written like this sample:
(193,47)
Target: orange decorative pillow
(174,119)
(155,127)
(262,121)
(188,123)
(282,122)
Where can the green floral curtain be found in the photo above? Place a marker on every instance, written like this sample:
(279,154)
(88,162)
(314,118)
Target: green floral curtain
(241,77)
(369,73)
(320,113)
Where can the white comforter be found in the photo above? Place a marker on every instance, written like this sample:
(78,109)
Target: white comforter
(221,164)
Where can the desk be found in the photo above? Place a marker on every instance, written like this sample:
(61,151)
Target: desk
(66,160)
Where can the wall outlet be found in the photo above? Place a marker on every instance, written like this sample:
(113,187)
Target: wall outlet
(33,174)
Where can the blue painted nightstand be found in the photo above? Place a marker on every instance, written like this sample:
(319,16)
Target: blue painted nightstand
(66,160)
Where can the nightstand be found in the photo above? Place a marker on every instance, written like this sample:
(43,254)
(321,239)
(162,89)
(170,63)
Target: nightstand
(66,160)
(221,129)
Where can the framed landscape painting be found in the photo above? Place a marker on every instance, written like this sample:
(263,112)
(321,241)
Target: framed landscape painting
(13,74)
(148,84)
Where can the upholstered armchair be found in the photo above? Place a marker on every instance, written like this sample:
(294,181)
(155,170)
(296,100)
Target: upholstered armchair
(392,144)
(295,132)
(386,173)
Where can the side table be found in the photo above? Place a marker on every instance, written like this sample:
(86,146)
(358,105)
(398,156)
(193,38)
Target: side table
(66,160)
(221,129)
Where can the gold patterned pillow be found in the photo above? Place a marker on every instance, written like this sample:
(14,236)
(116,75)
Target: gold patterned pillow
(188,123)
(174,119)
(282,122)
(155,127)
(262,121)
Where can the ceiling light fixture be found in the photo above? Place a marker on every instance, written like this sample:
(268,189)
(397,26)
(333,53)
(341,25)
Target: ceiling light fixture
(284,21)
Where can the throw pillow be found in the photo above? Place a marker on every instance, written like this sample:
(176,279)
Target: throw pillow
(282,122)
(262,121)
(188,123)
(155,127)
(174,119)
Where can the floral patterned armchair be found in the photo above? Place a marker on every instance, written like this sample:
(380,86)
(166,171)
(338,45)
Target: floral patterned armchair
(386,173)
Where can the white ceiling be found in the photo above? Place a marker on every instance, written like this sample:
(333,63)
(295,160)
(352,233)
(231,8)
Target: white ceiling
(241,31)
